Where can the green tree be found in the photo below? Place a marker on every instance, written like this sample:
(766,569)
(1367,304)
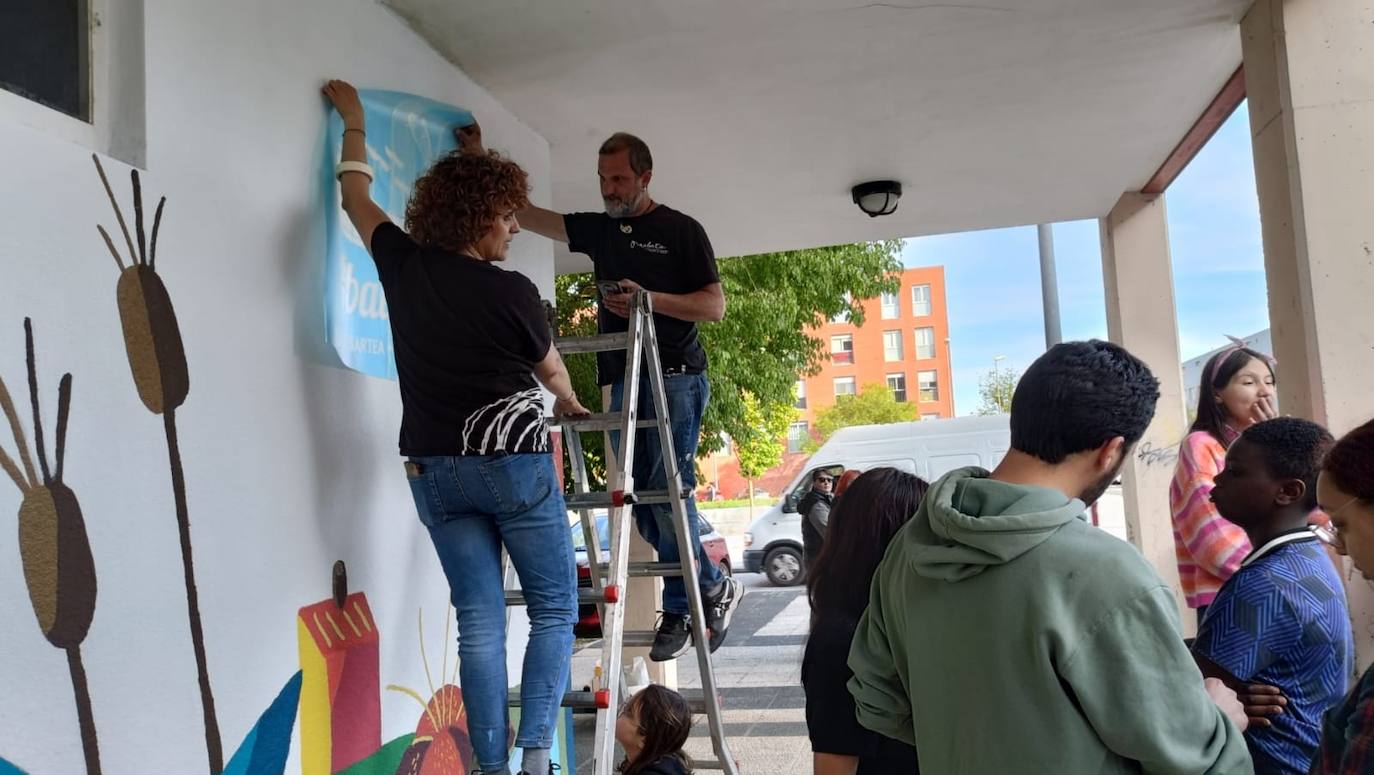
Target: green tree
(873,405)
(762,447)
(762,347)
(995,389)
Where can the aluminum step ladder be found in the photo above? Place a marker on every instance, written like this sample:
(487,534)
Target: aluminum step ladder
(610,574)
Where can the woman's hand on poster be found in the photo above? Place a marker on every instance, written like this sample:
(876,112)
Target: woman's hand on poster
(469,138)
(345,99)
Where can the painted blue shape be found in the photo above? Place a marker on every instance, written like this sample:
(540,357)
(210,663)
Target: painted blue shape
(265,748)
(9,769)
(405,135)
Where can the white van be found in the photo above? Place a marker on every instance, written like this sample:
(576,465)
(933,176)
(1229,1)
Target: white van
(929,449)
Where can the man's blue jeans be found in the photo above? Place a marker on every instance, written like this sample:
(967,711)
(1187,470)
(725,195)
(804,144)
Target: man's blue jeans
(471,506)
(687,396)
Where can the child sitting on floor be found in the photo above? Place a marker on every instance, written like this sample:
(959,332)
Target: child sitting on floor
(652,729)
(1281,619)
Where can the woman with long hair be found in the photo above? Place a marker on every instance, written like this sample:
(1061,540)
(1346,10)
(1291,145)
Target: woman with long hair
(472,347)
(1345,491)
(874,507)
(1237,391)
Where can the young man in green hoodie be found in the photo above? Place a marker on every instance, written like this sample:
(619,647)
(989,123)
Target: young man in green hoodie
(1006,634)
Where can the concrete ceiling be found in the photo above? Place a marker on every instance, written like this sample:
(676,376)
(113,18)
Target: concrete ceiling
(763,113)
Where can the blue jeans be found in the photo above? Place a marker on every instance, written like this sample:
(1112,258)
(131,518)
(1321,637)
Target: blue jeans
(687,396)
(471,506)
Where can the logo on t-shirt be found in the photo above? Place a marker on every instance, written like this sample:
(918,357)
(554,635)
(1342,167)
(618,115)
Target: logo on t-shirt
(626,228)
(513,424)
(653,247)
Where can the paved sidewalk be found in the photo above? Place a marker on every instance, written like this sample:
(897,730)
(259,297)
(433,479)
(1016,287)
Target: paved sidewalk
(758,670)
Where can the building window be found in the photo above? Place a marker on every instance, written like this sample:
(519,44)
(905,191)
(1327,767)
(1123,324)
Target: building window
(930,415)
(892,308)
(798,433)
(925,343)
(920,300)
(844,386)
(897,384)
(928,382)
(842,348)
(45,54)
(800,390)
(892,346)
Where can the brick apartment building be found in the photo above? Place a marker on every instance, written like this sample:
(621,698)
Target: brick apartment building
(903,343)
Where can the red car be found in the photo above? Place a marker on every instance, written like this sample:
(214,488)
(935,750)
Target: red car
(588,617)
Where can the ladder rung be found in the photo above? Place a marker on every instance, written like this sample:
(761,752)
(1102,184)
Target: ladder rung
(607,421)
(642,569)
(605,500)
(599,343)
(585,596)
(579,700)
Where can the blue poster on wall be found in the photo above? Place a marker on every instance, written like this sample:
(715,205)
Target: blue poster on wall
(405,135)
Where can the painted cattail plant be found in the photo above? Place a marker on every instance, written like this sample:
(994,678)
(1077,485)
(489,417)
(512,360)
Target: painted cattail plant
(152,342)
(53,546)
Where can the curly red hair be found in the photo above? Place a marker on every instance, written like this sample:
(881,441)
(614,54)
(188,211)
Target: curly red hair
(459,199)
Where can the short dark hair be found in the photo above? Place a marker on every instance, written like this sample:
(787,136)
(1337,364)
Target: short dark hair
(1216,375)
(641,161)
(1078,396)
(1292,448)
(1350,463)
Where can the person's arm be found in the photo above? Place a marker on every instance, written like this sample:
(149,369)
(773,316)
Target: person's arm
(880,699)
(545,223)
(834,764)
(364,213)
(553,375)
(820,516)
(1214,543)
(1176,722)
(704,305)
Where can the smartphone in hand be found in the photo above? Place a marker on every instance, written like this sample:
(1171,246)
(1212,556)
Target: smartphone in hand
(609,288)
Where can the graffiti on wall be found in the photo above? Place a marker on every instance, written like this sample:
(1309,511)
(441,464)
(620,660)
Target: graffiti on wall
(152,342)
(53,547)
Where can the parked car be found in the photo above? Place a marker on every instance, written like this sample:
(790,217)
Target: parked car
(588,617)
(929,449)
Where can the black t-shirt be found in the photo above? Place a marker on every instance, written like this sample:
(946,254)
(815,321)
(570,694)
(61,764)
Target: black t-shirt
(662,250)
(830,715)
(467,335)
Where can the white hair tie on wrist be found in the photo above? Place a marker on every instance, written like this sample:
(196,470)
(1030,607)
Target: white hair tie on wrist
(352,166)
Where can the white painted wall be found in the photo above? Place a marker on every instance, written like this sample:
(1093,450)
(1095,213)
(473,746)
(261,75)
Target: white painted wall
(290,461)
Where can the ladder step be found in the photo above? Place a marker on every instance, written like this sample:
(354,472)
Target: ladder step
(609,594)
(599,343)
(643,569)
(606,500)
(576,700)
(606,421)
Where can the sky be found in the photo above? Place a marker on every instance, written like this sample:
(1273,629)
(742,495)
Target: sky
(993,277)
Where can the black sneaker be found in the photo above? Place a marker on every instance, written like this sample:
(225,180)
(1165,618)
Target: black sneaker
(673,638)
(719,608)
(554,767)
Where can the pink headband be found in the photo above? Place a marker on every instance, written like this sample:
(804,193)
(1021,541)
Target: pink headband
(1236,346)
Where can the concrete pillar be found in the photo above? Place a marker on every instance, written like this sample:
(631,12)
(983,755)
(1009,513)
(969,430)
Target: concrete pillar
(1138,276)
(1309,76)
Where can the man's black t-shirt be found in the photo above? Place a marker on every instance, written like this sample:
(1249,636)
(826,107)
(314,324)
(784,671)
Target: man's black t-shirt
(467,336)
(662,250)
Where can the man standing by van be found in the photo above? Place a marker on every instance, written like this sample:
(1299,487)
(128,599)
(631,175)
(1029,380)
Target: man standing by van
(639,244)
(814,509)
(1005,634)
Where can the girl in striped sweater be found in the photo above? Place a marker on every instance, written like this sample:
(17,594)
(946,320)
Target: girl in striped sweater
(1237,391)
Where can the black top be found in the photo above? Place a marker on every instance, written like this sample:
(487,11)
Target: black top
(668,765)
(812,538)
(467,335)
(662,250)
(830,715)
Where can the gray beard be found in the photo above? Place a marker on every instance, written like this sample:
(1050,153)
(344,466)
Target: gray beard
(622,209)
